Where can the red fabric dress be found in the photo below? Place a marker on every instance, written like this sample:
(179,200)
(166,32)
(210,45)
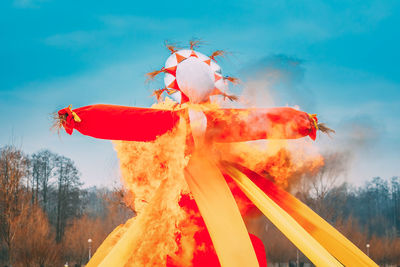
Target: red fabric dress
(223,125)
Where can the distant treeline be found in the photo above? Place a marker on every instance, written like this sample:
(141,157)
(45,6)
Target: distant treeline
(47,217)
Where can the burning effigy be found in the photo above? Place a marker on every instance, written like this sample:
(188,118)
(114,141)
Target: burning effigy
(185,163)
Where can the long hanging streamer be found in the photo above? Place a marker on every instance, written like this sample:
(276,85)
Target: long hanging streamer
(283,221)
(220,213)
(110,241)
(330,238)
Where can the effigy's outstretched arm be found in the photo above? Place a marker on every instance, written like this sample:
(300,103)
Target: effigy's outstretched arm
(114,122)
(236,125)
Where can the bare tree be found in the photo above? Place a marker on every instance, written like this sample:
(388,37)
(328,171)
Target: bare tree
(68,193)
(42,167)
(13,170)
(76,237)
(321,188)
(34,243)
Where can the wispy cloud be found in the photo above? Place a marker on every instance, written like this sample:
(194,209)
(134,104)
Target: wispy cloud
(155,24)
(28,3)
(115,26)
(318,21)
(118,82)
(72,39)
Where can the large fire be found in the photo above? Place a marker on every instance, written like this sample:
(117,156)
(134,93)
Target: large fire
(175,231)
(194,170)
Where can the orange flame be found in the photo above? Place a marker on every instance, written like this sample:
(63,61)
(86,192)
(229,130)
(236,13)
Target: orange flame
(172,236)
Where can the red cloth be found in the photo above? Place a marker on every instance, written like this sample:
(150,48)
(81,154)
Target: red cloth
(207,256)
(237,125)
(121,123)
(204,254)
(223,125)
(69,122)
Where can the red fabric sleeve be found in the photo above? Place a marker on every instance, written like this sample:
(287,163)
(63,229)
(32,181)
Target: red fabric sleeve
(114,122)
(237,125)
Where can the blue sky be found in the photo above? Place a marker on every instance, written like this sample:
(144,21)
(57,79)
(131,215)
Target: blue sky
(335,58)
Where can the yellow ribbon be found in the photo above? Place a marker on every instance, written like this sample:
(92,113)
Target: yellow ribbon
(76,117)
(303,240)
(313,118)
